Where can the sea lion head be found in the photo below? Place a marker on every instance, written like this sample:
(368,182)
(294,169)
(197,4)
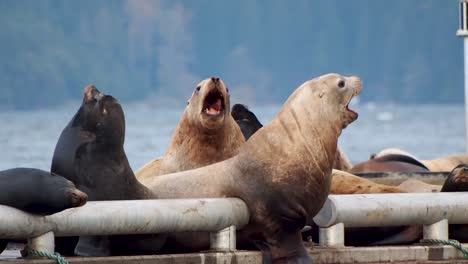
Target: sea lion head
(102,116)
(457,180)
(62,195)
(86,117)
(111,126)
(209,104)
(334,92)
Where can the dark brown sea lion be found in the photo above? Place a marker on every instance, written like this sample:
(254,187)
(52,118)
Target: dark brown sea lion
(246,120)
(283,171)
(443,164)
(63,160)
(101,169)
(457,181)
(206,133)
(38,192)
(390,163)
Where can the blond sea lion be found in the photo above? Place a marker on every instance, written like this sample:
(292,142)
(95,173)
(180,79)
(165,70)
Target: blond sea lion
(249,124)
(446,163)
(347,183)
(417,186)
(206,133)
(283,171)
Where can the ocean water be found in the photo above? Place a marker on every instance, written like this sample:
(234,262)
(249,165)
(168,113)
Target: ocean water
(28,138)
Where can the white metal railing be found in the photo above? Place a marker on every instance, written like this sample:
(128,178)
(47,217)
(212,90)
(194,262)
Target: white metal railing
(221,216)
(432,210)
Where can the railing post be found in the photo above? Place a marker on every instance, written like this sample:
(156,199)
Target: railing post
(438,230)
(332,236)
(44,243)
(223,240)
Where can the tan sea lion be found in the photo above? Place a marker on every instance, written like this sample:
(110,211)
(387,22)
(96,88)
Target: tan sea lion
(417,186)
(206,133)
(347,183)
(446,163)
(283,171)
(249,124)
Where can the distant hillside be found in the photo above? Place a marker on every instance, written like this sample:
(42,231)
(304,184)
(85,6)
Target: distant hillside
(405,51)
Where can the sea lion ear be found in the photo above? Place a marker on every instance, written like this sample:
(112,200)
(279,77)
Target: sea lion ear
(321,94)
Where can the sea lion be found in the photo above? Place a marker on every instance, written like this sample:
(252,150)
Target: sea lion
(457,181)
(101,169)
(206,133)
(283,171)
(417,186)
(443,164)
(38,192)
(246,120)
(63,160)
(389,163)
(446,163)
(347,183)
(249,124)
(390,151)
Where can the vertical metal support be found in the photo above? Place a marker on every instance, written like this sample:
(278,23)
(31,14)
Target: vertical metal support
(44,243)
(465,42)
(438,230)
(223,240)
(463,32)
(332,236)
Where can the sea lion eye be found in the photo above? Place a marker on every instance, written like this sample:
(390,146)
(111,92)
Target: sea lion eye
(341,83)
(198,88)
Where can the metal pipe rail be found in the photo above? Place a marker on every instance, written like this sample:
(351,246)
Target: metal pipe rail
(221,215)
(433,210)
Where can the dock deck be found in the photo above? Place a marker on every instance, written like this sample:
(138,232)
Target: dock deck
(388,254)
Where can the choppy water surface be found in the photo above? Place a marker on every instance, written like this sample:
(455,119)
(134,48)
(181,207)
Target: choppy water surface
(28,138)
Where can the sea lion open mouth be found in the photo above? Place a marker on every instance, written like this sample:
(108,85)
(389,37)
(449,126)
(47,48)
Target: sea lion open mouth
(356,91)
(214,105)
(347,105)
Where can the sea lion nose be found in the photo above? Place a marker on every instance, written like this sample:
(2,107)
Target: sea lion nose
(215,80)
